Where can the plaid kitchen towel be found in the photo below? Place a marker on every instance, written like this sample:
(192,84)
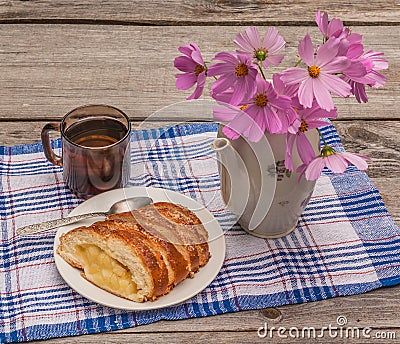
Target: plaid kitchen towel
(345,243)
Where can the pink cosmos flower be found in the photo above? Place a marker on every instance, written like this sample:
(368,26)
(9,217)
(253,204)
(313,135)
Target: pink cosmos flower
(263,107)
(318,80)
(378,63)
(194,69)
(328,28)
(351,44)
(334,28)
(337,162)
(307,119)
(266,50)
(236,73)
(372,62)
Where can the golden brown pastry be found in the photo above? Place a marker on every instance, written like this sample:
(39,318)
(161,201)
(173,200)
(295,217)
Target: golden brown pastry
(139,255)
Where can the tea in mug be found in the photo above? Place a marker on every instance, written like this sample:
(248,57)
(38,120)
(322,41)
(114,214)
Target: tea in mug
(97,132)
(101,167)
(95,149)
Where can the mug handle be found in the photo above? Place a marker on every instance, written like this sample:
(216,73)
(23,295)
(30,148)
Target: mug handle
(48,151)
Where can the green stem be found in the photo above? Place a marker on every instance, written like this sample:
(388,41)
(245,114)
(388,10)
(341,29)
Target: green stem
(321,136)
(298,62)
(261,71)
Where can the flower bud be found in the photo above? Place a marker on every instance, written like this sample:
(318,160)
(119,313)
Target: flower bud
(260,54)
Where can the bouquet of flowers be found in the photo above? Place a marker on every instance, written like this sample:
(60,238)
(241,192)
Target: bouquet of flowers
(294,100)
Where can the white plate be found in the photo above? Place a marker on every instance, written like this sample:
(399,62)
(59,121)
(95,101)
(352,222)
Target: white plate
(184,290)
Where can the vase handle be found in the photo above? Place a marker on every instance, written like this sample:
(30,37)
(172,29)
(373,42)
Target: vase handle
(235,185)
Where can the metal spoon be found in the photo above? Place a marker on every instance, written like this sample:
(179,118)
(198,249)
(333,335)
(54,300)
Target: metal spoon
(118,207)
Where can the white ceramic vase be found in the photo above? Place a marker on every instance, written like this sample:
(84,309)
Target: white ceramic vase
(256,187)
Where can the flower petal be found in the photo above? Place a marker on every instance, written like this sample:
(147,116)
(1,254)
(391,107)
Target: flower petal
(336,65)
(335,27)
(322,95)
(317,124)
(316,113)
(244,124)
(300,171)
(335,84)
(272,60)
(359,92)
(294,75)
(230,133)
(380,63)
(378,79)
(184,64)
(280,102)
(304,148)
(327,52)
(278,84)
(306,50)
(201,80)
(196,56)
(272,120)
(356,71)
(306,94)
(249,40)
(185,81)
(239,92)
(220,68)
(223,97)
(254,133)
(226,57)
(357,160)
(186,50)
(355,51)
(314,168)
(322,22)
(225,113)
(223,83)
(336,163)
(273,41)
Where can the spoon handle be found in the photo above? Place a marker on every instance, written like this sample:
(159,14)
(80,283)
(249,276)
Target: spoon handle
(45,226)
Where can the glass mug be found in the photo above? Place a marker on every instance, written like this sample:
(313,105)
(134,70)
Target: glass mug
(95,149)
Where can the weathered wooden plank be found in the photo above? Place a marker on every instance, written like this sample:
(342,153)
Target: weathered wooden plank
(378,140)
(201,11)
(46,70)
(239,337)
(376,309)
(381,142)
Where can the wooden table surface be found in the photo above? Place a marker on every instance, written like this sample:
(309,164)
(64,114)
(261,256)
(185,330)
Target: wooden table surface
(57,55)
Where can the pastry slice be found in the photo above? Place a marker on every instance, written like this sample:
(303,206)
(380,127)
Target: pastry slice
(139,255)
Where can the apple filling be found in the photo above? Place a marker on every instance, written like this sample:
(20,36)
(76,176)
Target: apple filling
(105,271)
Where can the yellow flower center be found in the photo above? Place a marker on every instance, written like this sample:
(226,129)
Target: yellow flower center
(303,126)
(261,100)
(199,69)
(314,71)
(241,70)
(244,107)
